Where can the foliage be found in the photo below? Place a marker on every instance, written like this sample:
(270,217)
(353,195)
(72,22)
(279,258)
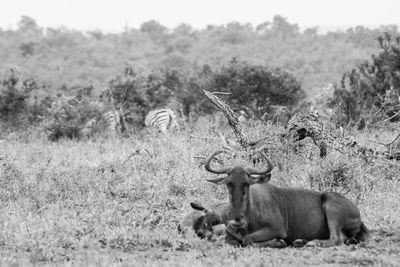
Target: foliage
(254,88)
(61,55)
(373,88)
(68,115)
(15,109)
(127,92)
(136,94)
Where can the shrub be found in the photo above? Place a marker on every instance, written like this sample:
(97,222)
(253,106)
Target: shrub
(136,94)
(68,115)
(371,90)
(16,111)
(254,88)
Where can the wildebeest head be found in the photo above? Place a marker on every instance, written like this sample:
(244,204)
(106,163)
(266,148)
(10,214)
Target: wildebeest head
(203,226)
(205,222)
(238,181)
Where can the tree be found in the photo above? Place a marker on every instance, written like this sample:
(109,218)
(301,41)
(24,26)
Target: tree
(28,24)
(373,88)
(281,27)
(153,28)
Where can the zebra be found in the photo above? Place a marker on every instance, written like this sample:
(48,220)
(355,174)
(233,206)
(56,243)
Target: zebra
(88,128)
(113,121)
(162,120)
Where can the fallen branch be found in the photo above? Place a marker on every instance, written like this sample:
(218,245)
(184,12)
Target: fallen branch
(221,93)
(232,119)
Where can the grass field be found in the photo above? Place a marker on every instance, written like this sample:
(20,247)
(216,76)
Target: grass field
(117,202)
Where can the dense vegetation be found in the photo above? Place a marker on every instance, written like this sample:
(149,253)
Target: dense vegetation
(63,82)
(371,91)
(60,56)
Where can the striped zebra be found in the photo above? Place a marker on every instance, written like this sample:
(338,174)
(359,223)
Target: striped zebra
(113,121)
(161,120)
(88,128)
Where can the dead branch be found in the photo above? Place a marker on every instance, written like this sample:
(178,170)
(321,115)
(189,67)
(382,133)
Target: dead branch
(385,120)
(375,142)
(384,144)
(221,93)
(232,119)
(397,137)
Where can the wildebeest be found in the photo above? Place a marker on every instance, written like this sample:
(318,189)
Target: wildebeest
(262,212)
(213,221)
(206,223)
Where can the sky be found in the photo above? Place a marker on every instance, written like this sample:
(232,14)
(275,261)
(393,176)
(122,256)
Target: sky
(114,15)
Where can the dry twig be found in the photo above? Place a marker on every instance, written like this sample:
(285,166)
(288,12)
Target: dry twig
(232,118)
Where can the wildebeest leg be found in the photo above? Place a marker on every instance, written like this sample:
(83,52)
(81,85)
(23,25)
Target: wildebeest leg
(264,234)
(276,243)
(333,218)
(298,243)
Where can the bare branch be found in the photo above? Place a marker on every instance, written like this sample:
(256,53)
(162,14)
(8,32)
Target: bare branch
(388,144)
(232,118)
(221,93)
(379,122)
(397,137)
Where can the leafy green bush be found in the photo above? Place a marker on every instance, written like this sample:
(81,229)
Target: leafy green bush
(135,94)
(16,111)
(254,88)
(371,91)
(69,115)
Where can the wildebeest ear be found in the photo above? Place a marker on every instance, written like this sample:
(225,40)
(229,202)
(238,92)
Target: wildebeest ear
(198,206)
(222,180)
(260,179)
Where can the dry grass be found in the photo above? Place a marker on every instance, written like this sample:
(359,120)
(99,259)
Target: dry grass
(118,202)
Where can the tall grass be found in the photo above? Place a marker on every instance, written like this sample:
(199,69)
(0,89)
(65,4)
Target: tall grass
(112,201)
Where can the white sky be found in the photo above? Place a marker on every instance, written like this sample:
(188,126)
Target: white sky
(113,15)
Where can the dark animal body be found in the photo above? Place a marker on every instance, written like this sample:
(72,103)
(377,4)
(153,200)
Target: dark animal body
(262,212)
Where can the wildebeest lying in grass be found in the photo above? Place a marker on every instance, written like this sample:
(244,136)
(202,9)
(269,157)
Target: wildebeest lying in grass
(206,223)
(262,212)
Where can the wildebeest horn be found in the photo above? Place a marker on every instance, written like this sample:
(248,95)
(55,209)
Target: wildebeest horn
(220,171)
(266,170)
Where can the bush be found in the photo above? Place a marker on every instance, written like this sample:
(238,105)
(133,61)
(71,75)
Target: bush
(16,111)
(371,90)
(136,94)
(69,115)
(256,89)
